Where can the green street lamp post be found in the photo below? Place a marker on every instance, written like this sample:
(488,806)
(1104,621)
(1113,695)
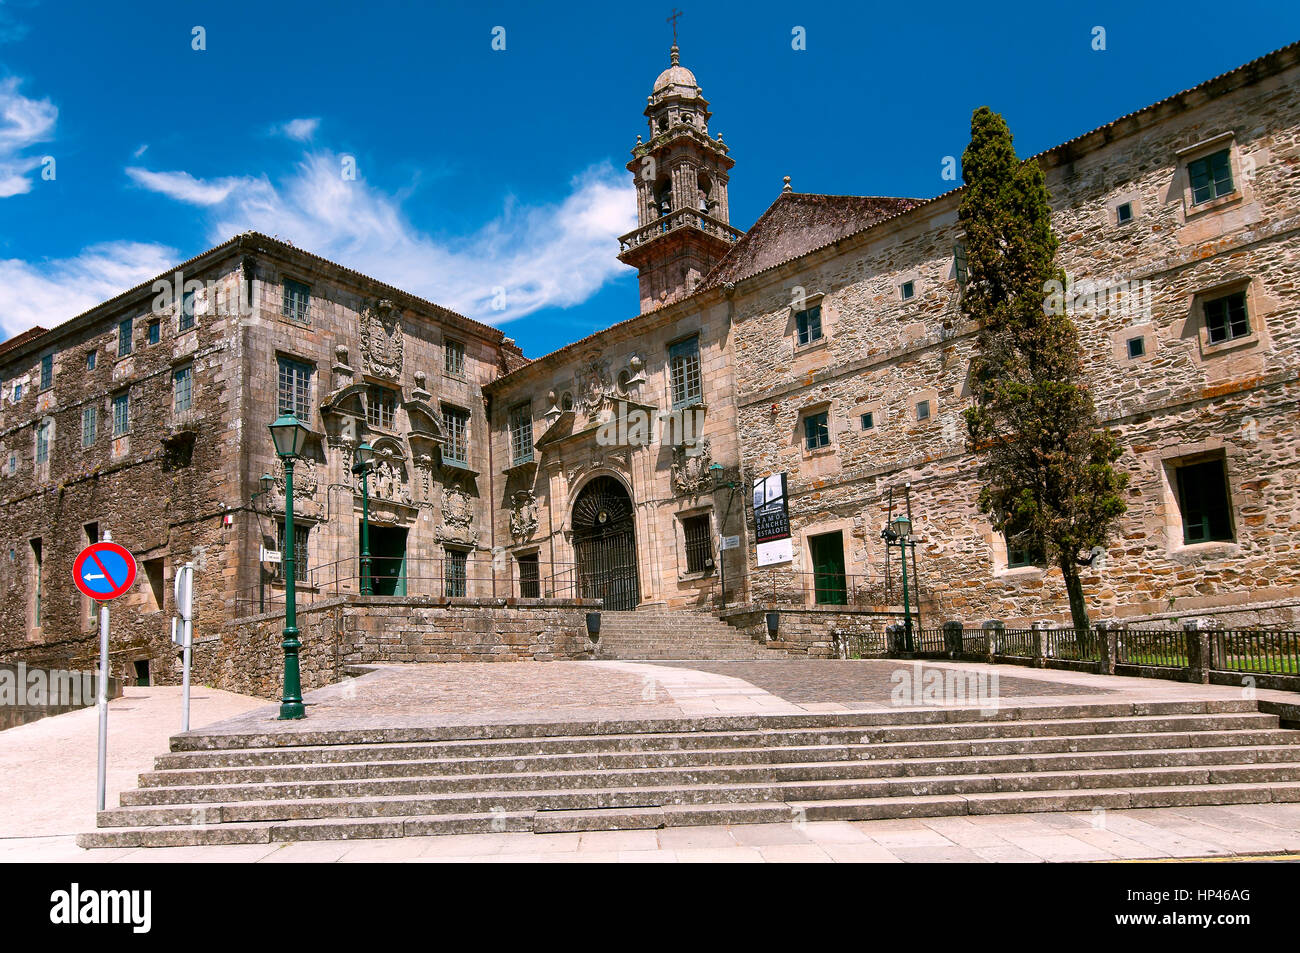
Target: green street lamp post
(898,532)
(289,435)
(365,458)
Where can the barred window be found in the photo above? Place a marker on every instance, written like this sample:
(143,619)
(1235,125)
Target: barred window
(121,413)
(684,372)
(47,372)
(381,407)
(182,388)
(297,301)
(456,444)
(454,357)
(454,572)
(817,430)
(809,324)
(301,535)
(295,389)
(185,320)
(124,331)
(1226,318)
(521,433)
(89,425)
(699,543)
(530,586)
(1211,177)
(43,441)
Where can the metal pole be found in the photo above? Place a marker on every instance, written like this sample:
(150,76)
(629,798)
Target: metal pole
(102,701)
(907,609)
(187,634)
(367,586)
(291,704)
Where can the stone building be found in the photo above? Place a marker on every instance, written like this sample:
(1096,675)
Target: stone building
(825,344)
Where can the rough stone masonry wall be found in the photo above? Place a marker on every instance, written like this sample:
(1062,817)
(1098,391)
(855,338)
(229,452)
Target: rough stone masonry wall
(359,630)
(810,630)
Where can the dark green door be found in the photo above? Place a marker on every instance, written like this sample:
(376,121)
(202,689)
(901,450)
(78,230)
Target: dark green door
(829,584)
(388,560)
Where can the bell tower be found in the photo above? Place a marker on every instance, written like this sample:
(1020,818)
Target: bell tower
(681,176)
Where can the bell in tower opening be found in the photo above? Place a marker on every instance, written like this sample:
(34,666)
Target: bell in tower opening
(681,173)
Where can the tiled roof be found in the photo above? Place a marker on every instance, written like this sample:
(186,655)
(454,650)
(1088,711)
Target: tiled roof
(795,224)
(19,339)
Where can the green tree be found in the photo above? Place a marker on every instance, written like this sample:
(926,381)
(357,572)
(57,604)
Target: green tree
(1047,467)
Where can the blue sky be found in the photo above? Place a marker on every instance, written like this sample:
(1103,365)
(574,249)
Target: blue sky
(479,168)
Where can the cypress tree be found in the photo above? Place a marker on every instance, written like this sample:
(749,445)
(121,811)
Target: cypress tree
(1049,483)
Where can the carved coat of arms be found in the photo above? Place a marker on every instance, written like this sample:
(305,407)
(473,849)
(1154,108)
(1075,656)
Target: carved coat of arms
(457,517)
(523,515)
(594,384)
(381,339)
(691,470)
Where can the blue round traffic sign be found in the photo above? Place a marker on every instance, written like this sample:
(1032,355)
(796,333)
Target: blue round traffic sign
(104,571)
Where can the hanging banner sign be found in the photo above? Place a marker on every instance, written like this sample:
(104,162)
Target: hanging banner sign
(772,520)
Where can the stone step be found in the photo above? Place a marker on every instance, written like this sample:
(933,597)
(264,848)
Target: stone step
(478,759)
(854,762)
(674,815)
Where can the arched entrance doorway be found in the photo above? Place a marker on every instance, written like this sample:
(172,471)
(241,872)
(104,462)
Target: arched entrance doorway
(604,541)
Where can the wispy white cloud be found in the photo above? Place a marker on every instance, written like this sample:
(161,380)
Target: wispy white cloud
(550,255)
(23,123)
(144,147)
(299,130)
(49,292)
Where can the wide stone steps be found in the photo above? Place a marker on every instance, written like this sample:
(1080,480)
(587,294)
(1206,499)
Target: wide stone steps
(652,635)
(258,788)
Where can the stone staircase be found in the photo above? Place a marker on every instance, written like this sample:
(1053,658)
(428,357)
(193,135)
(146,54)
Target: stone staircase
(675,635)
(362,783)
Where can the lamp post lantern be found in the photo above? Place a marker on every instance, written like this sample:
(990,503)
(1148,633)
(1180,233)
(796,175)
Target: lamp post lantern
(289,435)
(898,532)
(365,459)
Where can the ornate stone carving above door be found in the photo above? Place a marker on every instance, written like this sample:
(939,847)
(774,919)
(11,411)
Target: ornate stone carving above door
(523,515)
(457,517)
(691,475)
(381,339)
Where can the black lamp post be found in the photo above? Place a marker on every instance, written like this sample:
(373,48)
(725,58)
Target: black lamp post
(718,471)
(365,455)
(289,435)
(898,532)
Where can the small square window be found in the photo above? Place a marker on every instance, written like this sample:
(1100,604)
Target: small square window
(809,325)
(1211,177)
(868,420)
(1023,553)
(1137,347)
(297,301)
(922,410)
(155,331)
(90,360)
(1124,213)
(908,289)
(1226,318)
(817,430)
(454,357)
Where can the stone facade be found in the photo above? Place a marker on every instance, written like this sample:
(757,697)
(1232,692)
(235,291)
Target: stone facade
(836,305)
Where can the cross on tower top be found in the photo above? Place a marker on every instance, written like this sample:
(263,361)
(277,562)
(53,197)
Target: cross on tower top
(673,20)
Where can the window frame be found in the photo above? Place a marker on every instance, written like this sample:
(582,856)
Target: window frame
(1230,336)
(453,358)
(456,443)
(806,322)
(47,371)
(907,290)
(685,372)
(188,371)
(697,544)
(519,420)
(821,438)
(291,307)
(455,573)
(1212,183)
(301,550)
(1226,531)
(89,434)
(44,433)
(126,337)
(384,399)
(292,366)
(153,332)
(185,313)
(121,421)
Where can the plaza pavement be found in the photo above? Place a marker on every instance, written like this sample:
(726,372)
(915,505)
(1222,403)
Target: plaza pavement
(49,767)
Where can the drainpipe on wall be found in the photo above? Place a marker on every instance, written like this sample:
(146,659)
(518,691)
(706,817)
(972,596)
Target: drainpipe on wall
(492,496)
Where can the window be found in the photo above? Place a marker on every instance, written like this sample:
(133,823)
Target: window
(908,289)
(43,431)
(124,337)
(1226,318)
(1203,502)
(684,372)
(455,445)
(1211,177)
(301,536)
(816,430)
(381,407)
(530,585)
(868,420)
(185,320)
(121,413)
(922,410)
(1137,347)
(295,388)
(698,535)
(1124,213)
(89,425)
(47,372)
(521,433)
(153,573)
(809,324)
(18,393)
(1022,552)
(454,572)
(90,360)
(154,331)
(297,301)
(90,605)
(182,388)
(453,356)
(959,262)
